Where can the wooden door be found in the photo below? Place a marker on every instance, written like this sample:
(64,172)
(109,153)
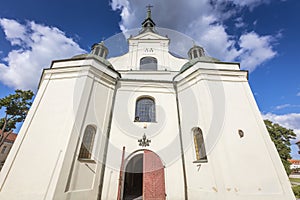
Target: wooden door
(153,177)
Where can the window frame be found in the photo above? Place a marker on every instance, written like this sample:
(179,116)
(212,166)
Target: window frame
(149,64)
(86,154)
(199,145)
(137,116)
(3,150)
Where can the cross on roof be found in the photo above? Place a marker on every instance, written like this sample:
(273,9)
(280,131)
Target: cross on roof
(149,7)
(149,10)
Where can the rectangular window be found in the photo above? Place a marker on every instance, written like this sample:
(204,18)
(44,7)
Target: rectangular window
(145,110)
(3,149)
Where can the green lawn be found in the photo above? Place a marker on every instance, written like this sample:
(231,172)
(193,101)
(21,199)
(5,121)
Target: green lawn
(297,180)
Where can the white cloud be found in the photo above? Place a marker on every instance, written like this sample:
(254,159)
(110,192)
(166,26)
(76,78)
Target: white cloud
(239,23)
(14,32)
(35,46)
(291,120)
(249,3)
(203,21)
(255,50)
(279,107)
(298,94)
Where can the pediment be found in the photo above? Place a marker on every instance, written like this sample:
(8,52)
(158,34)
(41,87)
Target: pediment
(149,36)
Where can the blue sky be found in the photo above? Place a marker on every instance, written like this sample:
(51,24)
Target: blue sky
(263,35)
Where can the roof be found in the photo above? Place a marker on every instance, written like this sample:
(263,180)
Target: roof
(11,137)
(104,61)
(295,162)
(199,59)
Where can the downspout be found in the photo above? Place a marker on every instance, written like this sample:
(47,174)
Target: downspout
(181,142)
(106,142)
(121,175)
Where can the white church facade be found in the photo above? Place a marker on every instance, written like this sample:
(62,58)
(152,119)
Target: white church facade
(144,125)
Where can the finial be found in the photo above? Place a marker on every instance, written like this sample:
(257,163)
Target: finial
(149,10)
(148,24)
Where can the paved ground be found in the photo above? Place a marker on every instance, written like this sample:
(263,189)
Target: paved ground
(295,183)
(294,176)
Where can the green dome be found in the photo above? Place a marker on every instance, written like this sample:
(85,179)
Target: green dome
(192,62)
(102,60)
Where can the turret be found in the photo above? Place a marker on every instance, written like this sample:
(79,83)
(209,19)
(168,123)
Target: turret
(100,50)
(196,52)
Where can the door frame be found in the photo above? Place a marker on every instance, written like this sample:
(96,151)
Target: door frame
(127,160)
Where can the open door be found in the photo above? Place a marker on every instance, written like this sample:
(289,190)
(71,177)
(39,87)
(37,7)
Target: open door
(144,178)
(153,177)
(133,183)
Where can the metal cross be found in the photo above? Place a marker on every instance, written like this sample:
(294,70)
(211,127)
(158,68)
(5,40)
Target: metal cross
(149,7)
(149,10)
(144,142)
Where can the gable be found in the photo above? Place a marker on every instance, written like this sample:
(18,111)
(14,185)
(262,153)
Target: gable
(149,35)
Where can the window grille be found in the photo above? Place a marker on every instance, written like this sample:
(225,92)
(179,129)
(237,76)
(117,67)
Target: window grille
(199,144)
(87,143)
(145,110)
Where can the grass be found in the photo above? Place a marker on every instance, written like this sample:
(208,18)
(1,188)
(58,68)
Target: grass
(296,190)
(297,180)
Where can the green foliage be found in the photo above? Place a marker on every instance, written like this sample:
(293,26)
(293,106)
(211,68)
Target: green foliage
(282,139)
(15,108)
(296,190)
(296,180)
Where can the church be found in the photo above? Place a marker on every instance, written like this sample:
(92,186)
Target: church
(147,124)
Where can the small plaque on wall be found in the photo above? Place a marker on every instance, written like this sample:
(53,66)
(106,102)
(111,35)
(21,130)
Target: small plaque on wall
(148,50)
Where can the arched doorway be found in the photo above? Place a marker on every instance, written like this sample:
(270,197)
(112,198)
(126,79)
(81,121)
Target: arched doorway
(133,182)
(144,177)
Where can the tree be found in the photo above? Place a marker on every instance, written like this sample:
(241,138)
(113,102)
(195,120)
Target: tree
(282,139)
(15,108)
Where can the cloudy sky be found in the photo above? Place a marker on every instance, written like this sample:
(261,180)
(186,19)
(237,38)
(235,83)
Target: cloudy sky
(263,35)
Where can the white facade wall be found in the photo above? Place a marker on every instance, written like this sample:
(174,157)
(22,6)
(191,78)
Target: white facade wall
(4,151)
(295,166)
(237,168)
(51,133)
(148,45)
(81,179)
(163,134)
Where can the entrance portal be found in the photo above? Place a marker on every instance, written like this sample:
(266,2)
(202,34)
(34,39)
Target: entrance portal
(144,177)
(133,184)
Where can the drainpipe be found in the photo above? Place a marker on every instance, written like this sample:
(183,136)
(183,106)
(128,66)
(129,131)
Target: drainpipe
(121,175)
(181,142)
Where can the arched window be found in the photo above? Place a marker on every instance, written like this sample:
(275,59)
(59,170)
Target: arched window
(195,53)
(148,63)
(145,110)
(87,143)
(199,144)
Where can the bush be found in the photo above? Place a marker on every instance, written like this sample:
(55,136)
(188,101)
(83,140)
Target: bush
(296,190)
